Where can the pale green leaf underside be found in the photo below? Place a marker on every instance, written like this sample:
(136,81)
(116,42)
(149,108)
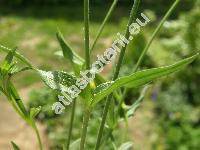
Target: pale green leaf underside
(141,78)
(57,80)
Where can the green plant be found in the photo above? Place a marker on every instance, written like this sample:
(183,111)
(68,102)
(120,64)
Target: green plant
(7,70)
(95,92)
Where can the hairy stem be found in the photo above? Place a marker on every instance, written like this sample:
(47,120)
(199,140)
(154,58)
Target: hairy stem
(71,123)
(119,63)
(108,15)
(86,29)
(37,134)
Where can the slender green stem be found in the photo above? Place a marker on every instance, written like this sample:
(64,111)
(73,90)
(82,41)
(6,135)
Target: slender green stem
(133,15)
(87,61)
(86,119)
(155,33)
(108,15)
(37,134)
(119,63)
(71,123)
(86,29)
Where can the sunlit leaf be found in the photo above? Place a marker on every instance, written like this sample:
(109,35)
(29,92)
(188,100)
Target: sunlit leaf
(126,146)
(140,78)
(57,80)
(59,53)
(35,111)
(102,87)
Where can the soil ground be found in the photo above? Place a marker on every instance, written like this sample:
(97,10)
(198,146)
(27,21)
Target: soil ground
(13,128)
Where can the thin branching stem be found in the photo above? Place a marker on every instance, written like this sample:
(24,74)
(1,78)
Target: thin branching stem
(71,124)
(108,15)
(86,116)
(37,134)
(133,15)
(86,34)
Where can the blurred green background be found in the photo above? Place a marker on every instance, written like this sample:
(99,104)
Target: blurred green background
(169,118)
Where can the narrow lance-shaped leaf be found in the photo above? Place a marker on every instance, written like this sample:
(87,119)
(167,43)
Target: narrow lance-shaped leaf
(140,78)
(68,53)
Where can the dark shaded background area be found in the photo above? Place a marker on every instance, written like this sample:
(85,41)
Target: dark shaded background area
(21,7)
